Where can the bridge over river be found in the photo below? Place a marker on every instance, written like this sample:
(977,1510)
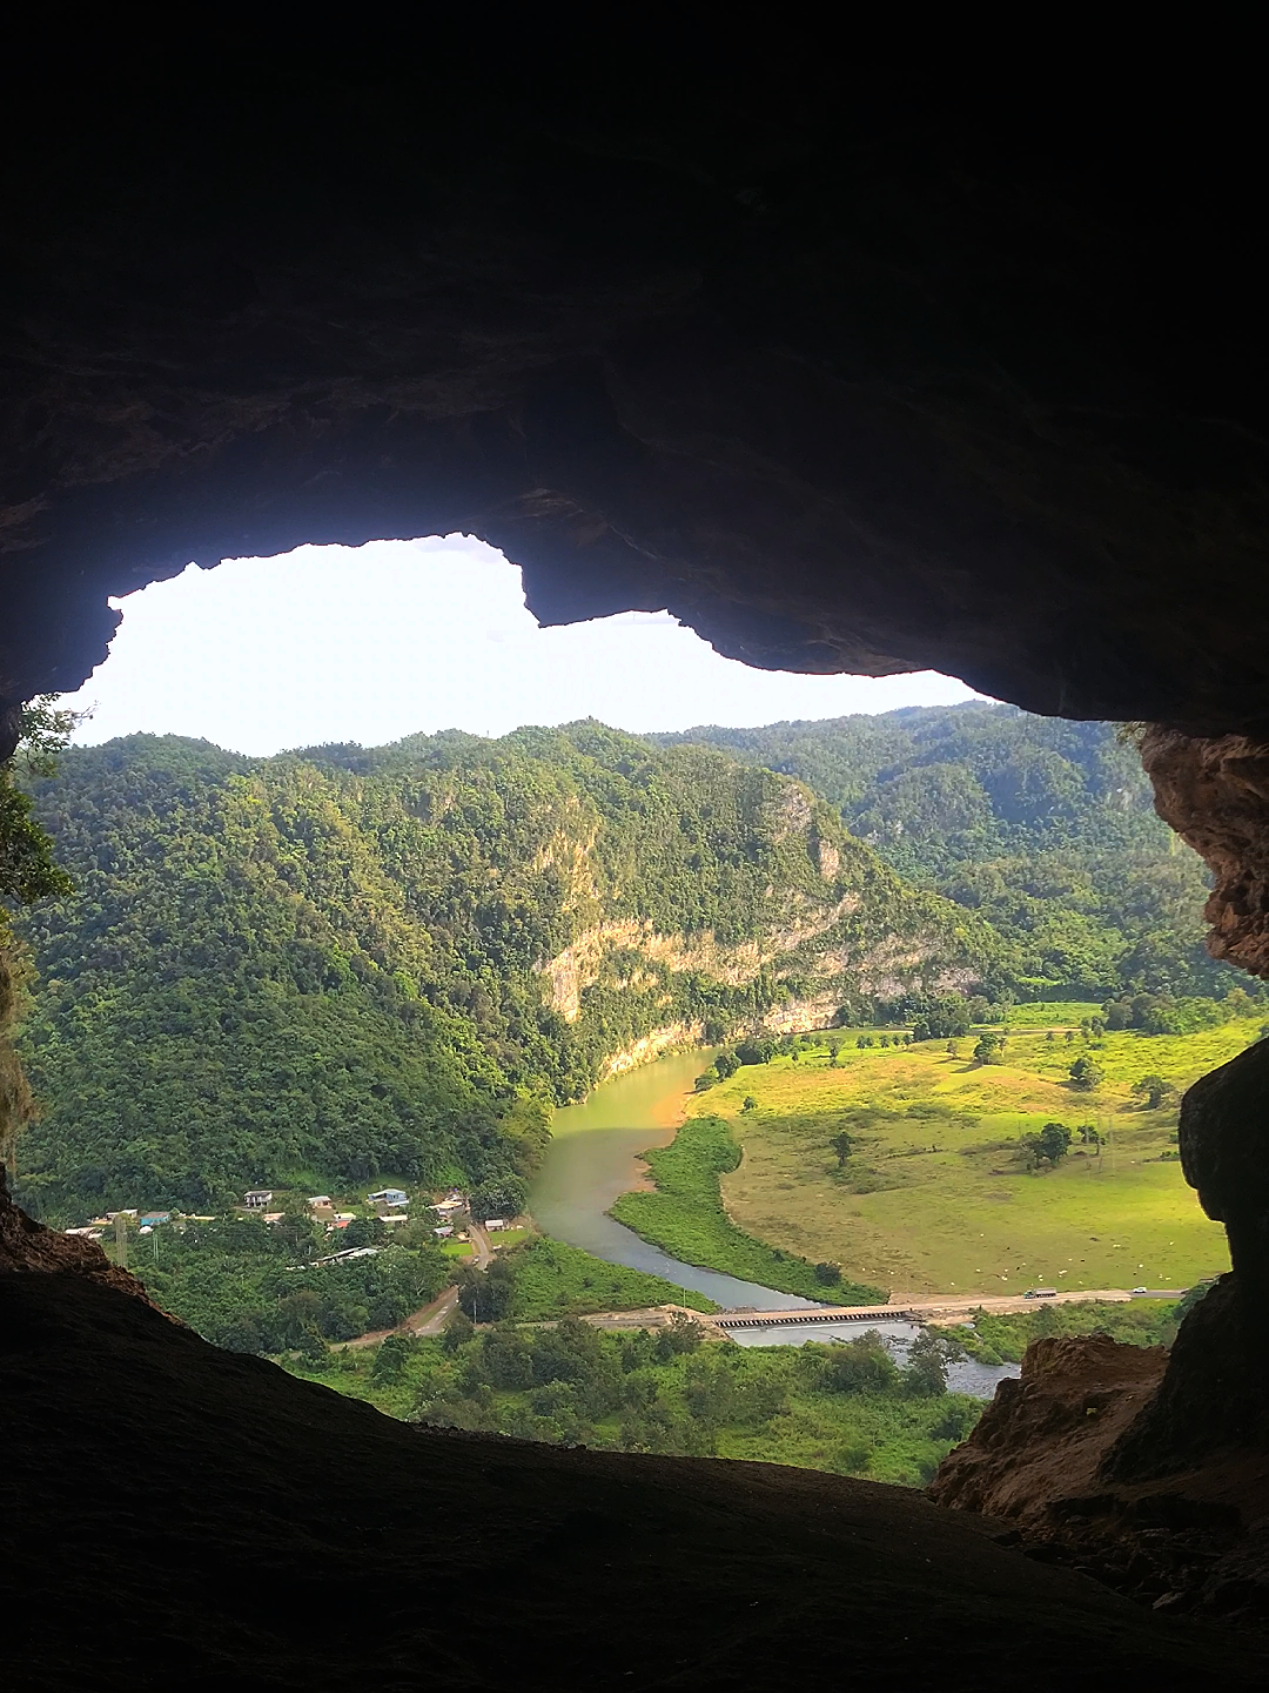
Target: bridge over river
(947,1309)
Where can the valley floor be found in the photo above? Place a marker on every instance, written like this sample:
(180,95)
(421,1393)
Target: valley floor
(935,1195)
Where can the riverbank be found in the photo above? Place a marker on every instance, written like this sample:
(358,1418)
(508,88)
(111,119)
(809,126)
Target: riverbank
(683,1214)
(597,1155)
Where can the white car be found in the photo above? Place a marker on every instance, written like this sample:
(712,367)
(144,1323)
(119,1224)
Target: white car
(1141,1290)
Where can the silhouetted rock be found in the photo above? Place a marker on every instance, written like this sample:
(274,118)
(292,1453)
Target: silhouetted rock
(176,1513)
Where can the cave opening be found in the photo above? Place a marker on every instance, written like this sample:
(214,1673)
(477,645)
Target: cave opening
(393,638)
(872,384)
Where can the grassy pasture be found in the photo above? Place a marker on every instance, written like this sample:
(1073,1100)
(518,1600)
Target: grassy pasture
(935,1197)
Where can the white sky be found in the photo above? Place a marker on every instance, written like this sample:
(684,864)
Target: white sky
(371,643)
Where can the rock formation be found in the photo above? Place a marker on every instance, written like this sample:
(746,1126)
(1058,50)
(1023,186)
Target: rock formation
(28,1248)
(173,1511)
(870,380)
(1215,794)
(1097,1464)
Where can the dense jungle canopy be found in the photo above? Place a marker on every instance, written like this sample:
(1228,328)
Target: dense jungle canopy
(345,963)
(1045,827)
(349,962)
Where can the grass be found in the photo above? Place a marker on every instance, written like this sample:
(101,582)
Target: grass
(685,1217)
(935,1197)
(555,1280)
(1056,1013)
(997,1337)
(508,1237)
(457,1248)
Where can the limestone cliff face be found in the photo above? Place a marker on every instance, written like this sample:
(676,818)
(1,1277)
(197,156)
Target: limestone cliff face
(1042,1440)
(1148,1472)
(611,952)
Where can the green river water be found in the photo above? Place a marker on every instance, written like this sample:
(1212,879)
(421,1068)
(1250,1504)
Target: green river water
(593,1157)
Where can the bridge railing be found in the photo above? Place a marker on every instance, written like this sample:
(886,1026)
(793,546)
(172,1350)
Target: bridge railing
(792,1319)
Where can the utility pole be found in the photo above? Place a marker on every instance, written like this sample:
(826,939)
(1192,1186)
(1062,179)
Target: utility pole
(121,1240)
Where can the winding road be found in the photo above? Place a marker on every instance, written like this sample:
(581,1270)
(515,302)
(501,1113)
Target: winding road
(431,1319)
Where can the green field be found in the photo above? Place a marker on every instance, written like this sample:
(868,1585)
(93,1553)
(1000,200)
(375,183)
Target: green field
(685,1217)
(935,1196)
(550,1279)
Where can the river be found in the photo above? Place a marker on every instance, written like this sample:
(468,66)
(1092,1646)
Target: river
(594,1156)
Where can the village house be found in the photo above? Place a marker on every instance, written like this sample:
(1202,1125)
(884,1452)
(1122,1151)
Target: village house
(258,1199)
(393,1197)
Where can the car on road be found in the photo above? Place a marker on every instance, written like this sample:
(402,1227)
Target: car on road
(1141,1290)
(1040,1293)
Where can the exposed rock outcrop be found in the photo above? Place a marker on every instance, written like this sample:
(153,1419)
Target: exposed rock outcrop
(1095,1463)
(1041,1442)
(1215,794)
(875,377)
(28,1248)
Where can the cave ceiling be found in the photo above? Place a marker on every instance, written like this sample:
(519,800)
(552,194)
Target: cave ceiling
(870,385)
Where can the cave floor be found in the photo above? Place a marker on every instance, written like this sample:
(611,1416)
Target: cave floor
(173,1513)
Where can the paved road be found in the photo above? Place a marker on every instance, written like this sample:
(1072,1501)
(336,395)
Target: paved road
(480,1245)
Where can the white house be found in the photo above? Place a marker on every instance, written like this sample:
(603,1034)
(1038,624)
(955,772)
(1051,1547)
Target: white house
(258,1199)
(392,1196)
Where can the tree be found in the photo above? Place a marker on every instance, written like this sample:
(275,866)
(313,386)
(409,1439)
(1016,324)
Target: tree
(990,1049)
(458,1330)
(1154,1090)
(750,1103)
(392,1357)
(726,1065)
(834,1048)
(859,1366)
(1089,1135)
(757,1049)
(1086,1075)
(926,1374)
(505,1197)
(680,1335)
(942,1016)
(1053,1142)
(27,870)
(843,1145)
(828,1275)
(487,1295)
(953,1049)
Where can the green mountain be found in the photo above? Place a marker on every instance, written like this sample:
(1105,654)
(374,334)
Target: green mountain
(347,963)
(1044,827)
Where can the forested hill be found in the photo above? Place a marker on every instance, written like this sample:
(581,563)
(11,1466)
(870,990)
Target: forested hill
(1043,826)
(354,963)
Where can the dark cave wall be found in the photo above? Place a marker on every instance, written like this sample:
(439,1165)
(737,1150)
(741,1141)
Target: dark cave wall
(901,382)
